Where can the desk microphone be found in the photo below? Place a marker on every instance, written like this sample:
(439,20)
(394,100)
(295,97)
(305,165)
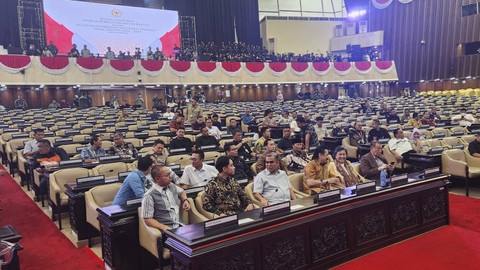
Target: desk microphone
(229,197)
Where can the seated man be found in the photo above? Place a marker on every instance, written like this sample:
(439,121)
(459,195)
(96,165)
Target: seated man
(270,147)
(286,143)
(414,121)
(269,120)
(377,132)
(434,115)
(177,123)
(357,135)
(123,116)
(400,146)
(198,174)
(265,133)
(160,207)
(317,177)
(213,130)
(464,119)
(31,147)
(168,113)
(297,159)
(94,151)
(426,120)
(233,126)
(198,124)
(271,186)
(248,119)
(44,159)
(215,121)
(373,165)
(474,146)
(393,117)
(206,140)
(406,116)
(134,185)
(242,146)
(181,142)
(242,170)
(158,153)
(122,149)
(223,195)
(154,115)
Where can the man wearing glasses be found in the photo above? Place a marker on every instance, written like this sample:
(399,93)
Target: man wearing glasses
(271,186)
(197,174)
(121,148)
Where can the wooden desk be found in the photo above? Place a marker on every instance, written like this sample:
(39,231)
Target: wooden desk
(77,210)
(316,236)
(120,241)
(426,160)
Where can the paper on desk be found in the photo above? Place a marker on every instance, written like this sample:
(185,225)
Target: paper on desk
(245,220)
(296,207)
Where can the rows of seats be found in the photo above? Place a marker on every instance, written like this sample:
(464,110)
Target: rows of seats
(448,93)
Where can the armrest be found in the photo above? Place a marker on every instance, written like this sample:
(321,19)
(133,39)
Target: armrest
(472,161)
(54,189)
(193,215)
(453,167)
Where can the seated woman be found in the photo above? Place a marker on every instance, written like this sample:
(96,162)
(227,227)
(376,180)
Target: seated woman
(418,143)
(341,166)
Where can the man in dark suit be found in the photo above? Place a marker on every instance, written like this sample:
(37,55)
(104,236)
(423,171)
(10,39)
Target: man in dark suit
(373,163)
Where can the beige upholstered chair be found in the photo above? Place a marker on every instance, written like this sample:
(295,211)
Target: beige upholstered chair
(11,151)
(99,196)
(58,200)
(136,142)
(453,141)
(71,149)
(468,138)
(22,169)
(110,170)
(459,163)
(199,206)
(249,192)
(352,150)
(183,160)
(212,155)
(296,180)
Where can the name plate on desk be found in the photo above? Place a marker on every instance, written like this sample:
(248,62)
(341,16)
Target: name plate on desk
(210,162)
(105,158)
(432,172)
(458,133)
(193,190)
(4,126)
(152,122)
(178,150)
(208,147)
(70,162)
(98,130)
(439,124)
(87,125)
(276,209)
(399,180)
(72,122)
(226,136)
(164,133)
(220,223)
(141,134)
(21,135)
(148,143)
(72,132)
(142,127)
(108,124)
(91,180)
(365,188)
(63,140)
(64,126)
(460,146)
(122,176)
(10,130)
(48,124)
(121,129)
(249,134)
(439,135)
(383,141)
(134,203)
(330,196)
(242,182)
(424,126)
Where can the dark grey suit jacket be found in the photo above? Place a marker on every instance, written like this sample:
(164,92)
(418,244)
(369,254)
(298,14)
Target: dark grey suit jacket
(369,167)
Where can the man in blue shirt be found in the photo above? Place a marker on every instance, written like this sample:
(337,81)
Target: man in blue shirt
(248,119)
(134,185)
(94,151)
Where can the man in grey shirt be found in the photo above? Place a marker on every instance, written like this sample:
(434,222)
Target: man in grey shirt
(31,147)
(160,205)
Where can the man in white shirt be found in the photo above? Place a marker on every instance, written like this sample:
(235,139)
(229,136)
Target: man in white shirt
(168,113)
(320,129)
(293,124)
(400,146)
(31,147)
(271,186)
(213,130)
(463,119)
(197,174)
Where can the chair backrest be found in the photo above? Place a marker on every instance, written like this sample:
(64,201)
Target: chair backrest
(136,142)
(468,138)
(99,196)
(249,192)
(147,235)
(110,170)
(212,155)
(296,180)
(199,205)
(71,148)
(183,160)
(68,176)
(106,144)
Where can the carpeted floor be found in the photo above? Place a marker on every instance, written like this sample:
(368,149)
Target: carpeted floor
(451,247)
(45,247)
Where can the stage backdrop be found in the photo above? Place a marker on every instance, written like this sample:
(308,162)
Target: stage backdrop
(100,26)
